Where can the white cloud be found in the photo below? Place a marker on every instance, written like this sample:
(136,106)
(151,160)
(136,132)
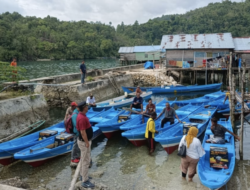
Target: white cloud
(106,11)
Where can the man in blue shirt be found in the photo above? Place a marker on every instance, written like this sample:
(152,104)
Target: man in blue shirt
(83,72)
(75,154)
(137,102)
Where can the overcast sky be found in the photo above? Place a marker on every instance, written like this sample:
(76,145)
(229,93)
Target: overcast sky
(106,11)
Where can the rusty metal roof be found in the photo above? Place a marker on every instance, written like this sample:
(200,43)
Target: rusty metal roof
(242,44)
(126,50)
(198,41)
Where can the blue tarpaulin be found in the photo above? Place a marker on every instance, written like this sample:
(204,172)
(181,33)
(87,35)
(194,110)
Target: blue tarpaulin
(239,62)
(148,65)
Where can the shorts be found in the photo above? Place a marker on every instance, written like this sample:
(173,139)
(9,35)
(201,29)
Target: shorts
(137,106)
(217,140)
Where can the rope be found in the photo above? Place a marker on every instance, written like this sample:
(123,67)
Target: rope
(117,90)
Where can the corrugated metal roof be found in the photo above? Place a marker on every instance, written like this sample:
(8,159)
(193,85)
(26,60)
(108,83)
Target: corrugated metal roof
(139,49)
(198,41)
(242,44)
(126,50)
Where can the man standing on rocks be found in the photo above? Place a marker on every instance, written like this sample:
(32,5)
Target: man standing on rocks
(84,142)
(169,115)
(83,72)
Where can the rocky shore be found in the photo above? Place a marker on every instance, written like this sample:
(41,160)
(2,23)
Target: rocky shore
(152,79)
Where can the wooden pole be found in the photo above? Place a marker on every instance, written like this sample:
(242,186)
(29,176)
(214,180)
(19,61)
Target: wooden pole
(230,77)
(73,182)
(213,77)
(233,101)
(242,109)
(196,76)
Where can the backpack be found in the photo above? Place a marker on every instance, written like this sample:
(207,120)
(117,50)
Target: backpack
(69,125)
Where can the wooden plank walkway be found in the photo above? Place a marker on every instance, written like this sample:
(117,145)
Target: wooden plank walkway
(202,69)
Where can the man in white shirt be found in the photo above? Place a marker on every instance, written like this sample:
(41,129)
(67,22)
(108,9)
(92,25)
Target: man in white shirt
(91,101)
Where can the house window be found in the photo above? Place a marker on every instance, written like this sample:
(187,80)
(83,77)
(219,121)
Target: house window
(146,55)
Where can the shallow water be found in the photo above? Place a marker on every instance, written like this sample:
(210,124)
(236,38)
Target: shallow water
(125,166)
(36,69)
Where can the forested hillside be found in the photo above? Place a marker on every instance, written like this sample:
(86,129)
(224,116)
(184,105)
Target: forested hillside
(29,38)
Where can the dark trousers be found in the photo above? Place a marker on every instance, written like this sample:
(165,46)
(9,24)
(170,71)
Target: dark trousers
(151,143)
(165,120)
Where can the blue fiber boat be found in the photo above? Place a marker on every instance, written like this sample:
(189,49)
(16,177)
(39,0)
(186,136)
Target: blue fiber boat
(170,139)
(137,135)
(38,154)
(8,149)
(130,89)
(181,89)
(206,99)
(215,178)
(237,109)
(105,116)
(111,126)
(121,101)
(136,122)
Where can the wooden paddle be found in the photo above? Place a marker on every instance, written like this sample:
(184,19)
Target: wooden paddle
(133,111)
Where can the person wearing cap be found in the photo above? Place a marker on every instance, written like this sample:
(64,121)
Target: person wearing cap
(219,133)
(70,110)
(84,142)
(91,101)
(138,90)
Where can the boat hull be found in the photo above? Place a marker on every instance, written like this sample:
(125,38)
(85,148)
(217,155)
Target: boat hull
(7,160)
(119,102)
(41,154)
(9,148)
(171,138)
(215,178)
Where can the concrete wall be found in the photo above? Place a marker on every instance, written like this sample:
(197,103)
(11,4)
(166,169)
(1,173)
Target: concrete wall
(61,96)
(18,113)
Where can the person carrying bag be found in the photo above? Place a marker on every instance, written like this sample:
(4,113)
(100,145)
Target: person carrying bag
(191,151)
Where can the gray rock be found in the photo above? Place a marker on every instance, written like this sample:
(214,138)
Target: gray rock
(97,174)
(16,182)
(98,186)
(73,165)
